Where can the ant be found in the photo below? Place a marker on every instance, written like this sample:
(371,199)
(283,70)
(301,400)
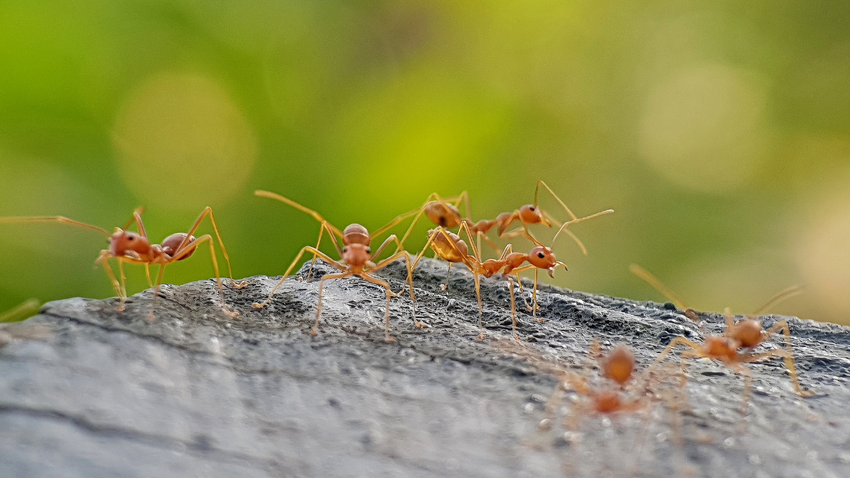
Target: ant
(356,255)
(619,391)
(445,214)
(736,345)
(136,248)
(451,248)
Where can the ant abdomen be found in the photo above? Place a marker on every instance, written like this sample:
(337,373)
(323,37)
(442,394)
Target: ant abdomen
(172,242)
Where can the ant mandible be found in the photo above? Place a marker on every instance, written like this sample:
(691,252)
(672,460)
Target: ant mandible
(136,248)
(356,255)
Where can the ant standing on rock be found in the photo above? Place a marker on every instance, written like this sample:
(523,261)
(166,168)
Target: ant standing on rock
(136,248)
(736,345)
(356,255)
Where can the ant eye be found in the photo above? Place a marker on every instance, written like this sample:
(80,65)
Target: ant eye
(540,255)
(345,249)
(531,208)
(368,250)
(130,238)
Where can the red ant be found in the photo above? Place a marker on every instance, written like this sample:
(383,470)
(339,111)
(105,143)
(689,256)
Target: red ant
(451,248)
(617,367)
(736,345)
(445,214)
(136,248)
(356,257)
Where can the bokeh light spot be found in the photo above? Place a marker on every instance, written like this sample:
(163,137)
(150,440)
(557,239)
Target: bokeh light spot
(703,128)
(183,143)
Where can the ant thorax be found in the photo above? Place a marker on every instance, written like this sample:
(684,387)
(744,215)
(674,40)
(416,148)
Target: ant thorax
(747,332)
(721,347)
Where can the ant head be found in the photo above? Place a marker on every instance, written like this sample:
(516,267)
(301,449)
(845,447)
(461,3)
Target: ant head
(748,332)
(542,257)
(172,242)
(128,244)
(442,214)
(530,214)
(356,234)
(619,364)
(356,255)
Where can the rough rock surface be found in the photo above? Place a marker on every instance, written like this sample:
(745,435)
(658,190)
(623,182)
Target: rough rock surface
(196,393)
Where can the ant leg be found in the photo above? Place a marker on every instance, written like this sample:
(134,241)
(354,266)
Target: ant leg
(28,306)
(421,210)
(156,291)
(748,387)
(550,410)
(728,317)
(407,260)
(513,308)
(534,296)
(310,249)
(140,225)
(387,314)
(477,279)
(789,360)
(209,212)
(448,273)
(186,250)
(115,284)
(325,226)
(673,343)
(290,202)
(148,274)
(787,357)
(656,284)
(123,278)
(325,277)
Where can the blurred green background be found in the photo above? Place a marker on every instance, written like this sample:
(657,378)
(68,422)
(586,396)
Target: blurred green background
(719,131)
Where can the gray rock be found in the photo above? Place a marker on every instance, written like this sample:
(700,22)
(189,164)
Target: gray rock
(196,393)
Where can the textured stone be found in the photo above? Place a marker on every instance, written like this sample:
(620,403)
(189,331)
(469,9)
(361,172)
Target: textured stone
(196,393)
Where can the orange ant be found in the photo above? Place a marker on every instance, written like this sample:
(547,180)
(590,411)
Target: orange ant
(356,257)
(451,248)
(617,367)
(736,345)
(446,215)
(136,248)
(20,312)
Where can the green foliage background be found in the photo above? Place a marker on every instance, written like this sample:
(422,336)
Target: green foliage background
(719,131)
